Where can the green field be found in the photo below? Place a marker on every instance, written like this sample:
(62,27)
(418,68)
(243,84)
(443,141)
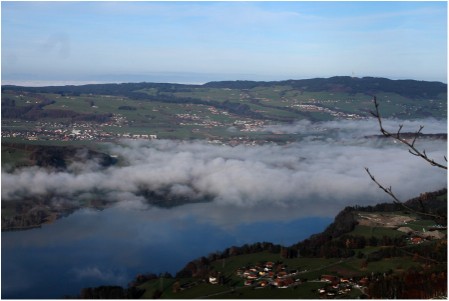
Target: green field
(377,232)
(311,268)
(275,104)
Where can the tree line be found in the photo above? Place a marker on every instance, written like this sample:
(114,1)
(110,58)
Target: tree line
(415,283)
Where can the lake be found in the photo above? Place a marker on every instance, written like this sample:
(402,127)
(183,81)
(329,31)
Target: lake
(92,248)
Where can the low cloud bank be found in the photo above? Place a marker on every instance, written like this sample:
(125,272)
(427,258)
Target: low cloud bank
(94,272)
(359,128)
(308,174)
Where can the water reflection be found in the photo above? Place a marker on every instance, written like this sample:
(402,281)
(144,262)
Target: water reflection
(90,248)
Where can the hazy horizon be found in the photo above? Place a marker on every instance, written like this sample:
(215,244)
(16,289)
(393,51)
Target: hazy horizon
(196,42)
(182,79)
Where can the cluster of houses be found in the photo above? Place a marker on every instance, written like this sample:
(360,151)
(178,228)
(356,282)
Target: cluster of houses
(58,134)
(269,274)
(243,125)
(137,136)
(215,111)
(315,108)
(196,120)
(337,287)
(75,131)
(274,275)
(249,126)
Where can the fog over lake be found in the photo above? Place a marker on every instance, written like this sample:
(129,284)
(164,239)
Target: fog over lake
(277,193)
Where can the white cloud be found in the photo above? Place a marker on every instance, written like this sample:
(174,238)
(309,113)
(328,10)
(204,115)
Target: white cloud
(360,128)
(310,173)
(94,272)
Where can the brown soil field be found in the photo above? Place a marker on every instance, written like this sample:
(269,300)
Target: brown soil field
(382,220)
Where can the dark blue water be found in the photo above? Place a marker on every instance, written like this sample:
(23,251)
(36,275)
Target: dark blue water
(92,248)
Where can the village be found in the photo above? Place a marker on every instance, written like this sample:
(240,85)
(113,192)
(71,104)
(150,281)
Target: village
(315,108)
(53,131)
(119,128)
(269,273)
(279,276)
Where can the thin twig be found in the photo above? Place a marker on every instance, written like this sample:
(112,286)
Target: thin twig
(396,200)
(413,150)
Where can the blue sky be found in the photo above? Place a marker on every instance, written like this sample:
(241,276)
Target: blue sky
(201,41)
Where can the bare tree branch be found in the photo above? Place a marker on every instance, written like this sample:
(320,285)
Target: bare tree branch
(412,149)
(396,200)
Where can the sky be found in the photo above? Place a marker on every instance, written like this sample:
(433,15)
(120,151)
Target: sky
(196,42)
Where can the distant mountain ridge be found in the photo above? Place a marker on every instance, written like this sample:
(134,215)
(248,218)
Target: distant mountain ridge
(368,85)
